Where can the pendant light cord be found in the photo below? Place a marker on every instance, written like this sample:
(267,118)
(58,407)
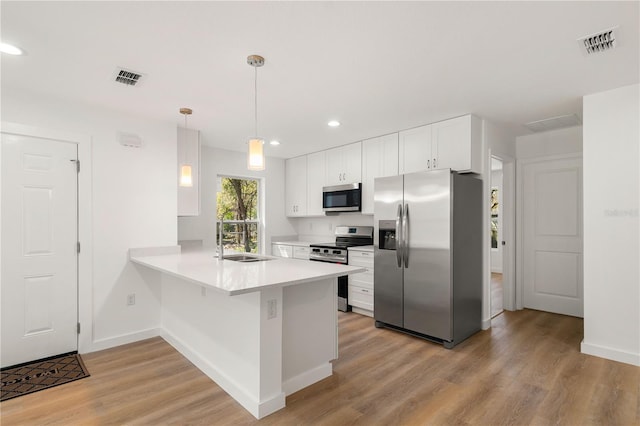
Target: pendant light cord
(186,141)
(256,99)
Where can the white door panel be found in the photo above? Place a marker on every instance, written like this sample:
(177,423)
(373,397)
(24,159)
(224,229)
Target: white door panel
(39,259)
(552,223)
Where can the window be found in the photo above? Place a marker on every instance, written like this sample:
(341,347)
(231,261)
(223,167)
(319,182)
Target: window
(494,218)
(237,205)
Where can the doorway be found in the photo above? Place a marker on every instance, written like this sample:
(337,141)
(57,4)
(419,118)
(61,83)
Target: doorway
(39,257)
(497,237)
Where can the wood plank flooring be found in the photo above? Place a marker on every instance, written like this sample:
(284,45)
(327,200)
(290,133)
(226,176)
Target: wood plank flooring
(525,370)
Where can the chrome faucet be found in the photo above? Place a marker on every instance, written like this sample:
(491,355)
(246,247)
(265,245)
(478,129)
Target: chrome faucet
(220,245)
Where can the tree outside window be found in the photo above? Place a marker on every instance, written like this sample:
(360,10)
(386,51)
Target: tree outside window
(494,218)
(237,205)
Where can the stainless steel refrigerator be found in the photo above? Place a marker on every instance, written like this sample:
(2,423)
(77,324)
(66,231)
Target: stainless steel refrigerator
(428,255)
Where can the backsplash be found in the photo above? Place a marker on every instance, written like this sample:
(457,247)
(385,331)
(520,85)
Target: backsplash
(319,229)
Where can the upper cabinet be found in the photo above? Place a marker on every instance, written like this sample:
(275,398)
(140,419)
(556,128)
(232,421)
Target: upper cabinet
(344,164)
(189,154)
(457,144)
(315,182)
(415,150)
(451,144)
(379,159)
(296,186)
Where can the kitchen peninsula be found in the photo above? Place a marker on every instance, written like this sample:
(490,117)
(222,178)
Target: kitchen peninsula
(261,330)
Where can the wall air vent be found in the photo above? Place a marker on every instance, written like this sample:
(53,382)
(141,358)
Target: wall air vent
(599,42)
(554,123)
(128,77)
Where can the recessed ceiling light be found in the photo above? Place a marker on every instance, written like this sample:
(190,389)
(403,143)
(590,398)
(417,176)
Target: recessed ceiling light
(10,49)
(333,123)
(274,143)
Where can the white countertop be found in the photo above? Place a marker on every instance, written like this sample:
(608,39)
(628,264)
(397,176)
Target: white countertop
(293,243)
(231,277)
(362,248)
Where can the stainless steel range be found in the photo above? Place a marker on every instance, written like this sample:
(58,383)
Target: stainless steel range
(336,252)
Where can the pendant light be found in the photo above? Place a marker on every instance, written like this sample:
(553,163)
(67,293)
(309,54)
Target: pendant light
(185,167)
(255,155)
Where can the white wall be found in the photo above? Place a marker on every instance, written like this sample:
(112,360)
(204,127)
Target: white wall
(611,234)
(134,205)
(219,162)
(545,144)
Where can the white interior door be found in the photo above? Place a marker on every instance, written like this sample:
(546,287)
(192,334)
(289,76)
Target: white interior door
(39,287)
(552,233)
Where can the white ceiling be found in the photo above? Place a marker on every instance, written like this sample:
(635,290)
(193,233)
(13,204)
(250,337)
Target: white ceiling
(378,67)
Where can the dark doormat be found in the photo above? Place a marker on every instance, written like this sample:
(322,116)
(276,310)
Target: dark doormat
(45,373)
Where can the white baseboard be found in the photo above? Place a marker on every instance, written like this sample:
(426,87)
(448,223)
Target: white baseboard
(362,311)
(123,339)
(486,324)
(258,409)
(610,353)
(307,378)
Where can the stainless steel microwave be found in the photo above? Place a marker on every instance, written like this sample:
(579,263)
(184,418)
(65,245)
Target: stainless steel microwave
(342,198)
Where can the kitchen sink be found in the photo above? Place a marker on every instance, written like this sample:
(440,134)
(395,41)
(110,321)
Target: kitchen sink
(244,258)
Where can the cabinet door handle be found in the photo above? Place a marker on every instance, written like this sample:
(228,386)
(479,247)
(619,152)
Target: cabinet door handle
(365,290)
(434,163)
(428,164)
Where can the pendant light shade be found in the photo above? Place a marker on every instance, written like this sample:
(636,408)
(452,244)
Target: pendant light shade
(185,168)
(255,153)
(185,175)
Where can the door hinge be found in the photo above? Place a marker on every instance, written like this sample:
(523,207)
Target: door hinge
(78,246)
(78,328)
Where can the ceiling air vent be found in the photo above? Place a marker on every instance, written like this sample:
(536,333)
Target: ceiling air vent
(599,42)
(554,123)
(128,77)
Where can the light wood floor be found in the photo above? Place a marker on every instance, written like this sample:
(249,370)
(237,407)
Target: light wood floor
(526,369)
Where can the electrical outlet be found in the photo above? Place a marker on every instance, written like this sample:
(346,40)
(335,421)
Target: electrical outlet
(131,299)
(272,308)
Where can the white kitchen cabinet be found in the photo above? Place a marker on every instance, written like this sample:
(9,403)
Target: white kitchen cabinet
(301,252)
(414,150)
(292,251)
(315,182)
(282,250)
(451,144)
(457,144)
(344,164)
(361,285)
(379,159)
(296,186)
(189,153)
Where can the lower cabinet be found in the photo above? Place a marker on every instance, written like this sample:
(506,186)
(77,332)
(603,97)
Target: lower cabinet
(282,250)
(289,250)
(361,285)
(301,252)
